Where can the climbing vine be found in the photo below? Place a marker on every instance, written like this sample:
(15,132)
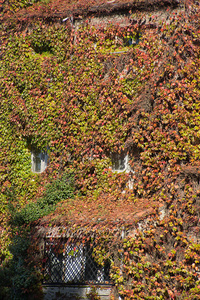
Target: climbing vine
(86,93)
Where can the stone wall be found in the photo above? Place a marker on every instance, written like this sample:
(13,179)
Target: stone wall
(74,292)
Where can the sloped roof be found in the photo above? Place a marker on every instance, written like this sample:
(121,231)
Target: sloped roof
(96,214)
(79,9)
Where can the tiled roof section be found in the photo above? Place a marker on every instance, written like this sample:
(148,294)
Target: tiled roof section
(100,213)
(106,7)
(80,9)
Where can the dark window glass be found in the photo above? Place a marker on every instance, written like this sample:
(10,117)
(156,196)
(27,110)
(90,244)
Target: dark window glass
(118,161)
(37,162)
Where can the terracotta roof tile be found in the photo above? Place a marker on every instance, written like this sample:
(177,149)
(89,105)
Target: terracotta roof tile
(98,214)
(61,8)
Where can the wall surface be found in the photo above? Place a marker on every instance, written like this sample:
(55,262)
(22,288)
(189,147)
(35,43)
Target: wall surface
(73,292)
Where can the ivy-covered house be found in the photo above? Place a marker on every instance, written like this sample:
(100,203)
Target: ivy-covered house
(99,160)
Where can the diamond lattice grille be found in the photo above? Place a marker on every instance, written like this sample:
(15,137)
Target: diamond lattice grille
(72,263)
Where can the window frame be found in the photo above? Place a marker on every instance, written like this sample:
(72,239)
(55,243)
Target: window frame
(117,159)
(38,158)
(87,272)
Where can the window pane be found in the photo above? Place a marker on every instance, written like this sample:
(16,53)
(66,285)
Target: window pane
(72,264)
(37,163)
(55,267)
(118,161)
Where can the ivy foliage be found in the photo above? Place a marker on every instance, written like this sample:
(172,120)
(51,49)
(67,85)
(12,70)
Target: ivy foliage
(15,5)
(87,93)
(60,189)
(17,279)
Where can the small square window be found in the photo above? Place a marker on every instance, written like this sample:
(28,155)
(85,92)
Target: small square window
(39,161)
(120,162)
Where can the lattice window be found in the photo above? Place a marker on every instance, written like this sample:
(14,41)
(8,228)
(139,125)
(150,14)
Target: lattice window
(72,263)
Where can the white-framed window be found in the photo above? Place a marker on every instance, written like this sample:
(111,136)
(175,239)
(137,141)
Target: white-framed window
(120,162)
(38,161)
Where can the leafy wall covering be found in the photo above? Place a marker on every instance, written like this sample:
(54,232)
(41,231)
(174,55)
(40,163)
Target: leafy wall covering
(85,92)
